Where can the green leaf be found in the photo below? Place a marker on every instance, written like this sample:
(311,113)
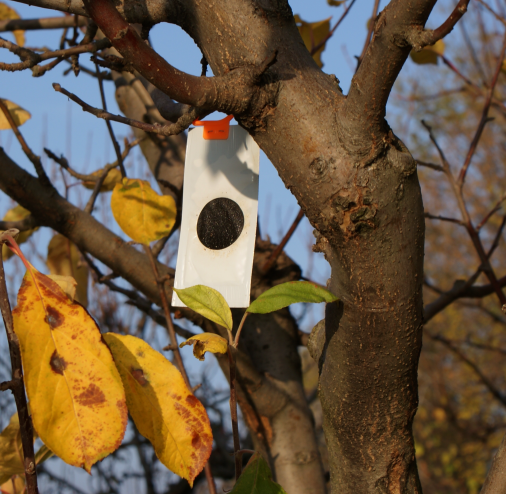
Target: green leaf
(335,3)
(208,302)
(257,479)
(290,293)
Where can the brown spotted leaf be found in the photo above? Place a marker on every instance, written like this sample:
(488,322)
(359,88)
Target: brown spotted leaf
(162,407)
(76,395)
(206,342)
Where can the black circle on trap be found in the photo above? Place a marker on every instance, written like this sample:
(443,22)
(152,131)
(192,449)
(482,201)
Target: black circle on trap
(220,223)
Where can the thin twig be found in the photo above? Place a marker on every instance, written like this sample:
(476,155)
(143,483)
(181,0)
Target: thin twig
(493,12)
(31,59)
(443,218)
(166,130)
(109,126)
(494,210)
(487,383)
(456,185)
(233,414)
(37,164)
(333,30)
(43,23)
(239,329)
(438,168)
(92,177)
(277,251)
(484,117)
(372,23)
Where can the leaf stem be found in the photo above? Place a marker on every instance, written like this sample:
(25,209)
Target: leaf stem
(239,329)
(16,385)
(175,348)
(233,414)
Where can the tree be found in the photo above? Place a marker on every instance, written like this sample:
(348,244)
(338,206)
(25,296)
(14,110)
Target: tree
(354,180)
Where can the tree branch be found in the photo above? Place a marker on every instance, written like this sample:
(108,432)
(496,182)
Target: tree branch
(44,23)
(460,289)
(151,12)
(51,209)
(429,36)
(232,93)
(364,109)
(27,223)
(486,382)
(167,130)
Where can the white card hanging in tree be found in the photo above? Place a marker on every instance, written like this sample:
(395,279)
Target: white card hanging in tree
(220,203)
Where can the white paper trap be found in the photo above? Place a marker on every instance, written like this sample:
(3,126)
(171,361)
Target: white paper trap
(220,202)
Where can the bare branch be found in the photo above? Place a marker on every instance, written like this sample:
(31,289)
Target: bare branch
(44,23)
(363,111)
(31,59)
(167,130)
(494,210)
(443,218)
(485,380)
(438,168)
(277,251)
(233,93)
(460,289)
(429,36)
(28,223)
(37,164)
(117,149)
(151,12)
(484,116)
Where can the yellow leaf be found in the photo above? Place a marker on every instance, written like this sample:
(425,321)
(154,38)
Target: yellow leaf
(429,54)
(79,411)
(314,33)
(162,407)
(63,259)
(11,452)
(17,213)
(140,212)
(206,342)
(15,485)
(7,13)
(66,283)
(11,455)
(19,115)
(113,177)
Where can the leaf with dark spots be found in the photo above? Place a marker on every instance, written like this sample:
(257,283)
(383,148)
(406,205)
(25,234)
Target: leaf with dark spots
(192,401)
(53,317)
(57,363)
(80,420)
(165,412)
(92,396)
(138,375)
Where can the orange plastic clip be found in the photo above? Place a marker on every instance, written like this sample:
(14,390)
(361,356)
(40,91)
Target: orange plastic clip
(215,129)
